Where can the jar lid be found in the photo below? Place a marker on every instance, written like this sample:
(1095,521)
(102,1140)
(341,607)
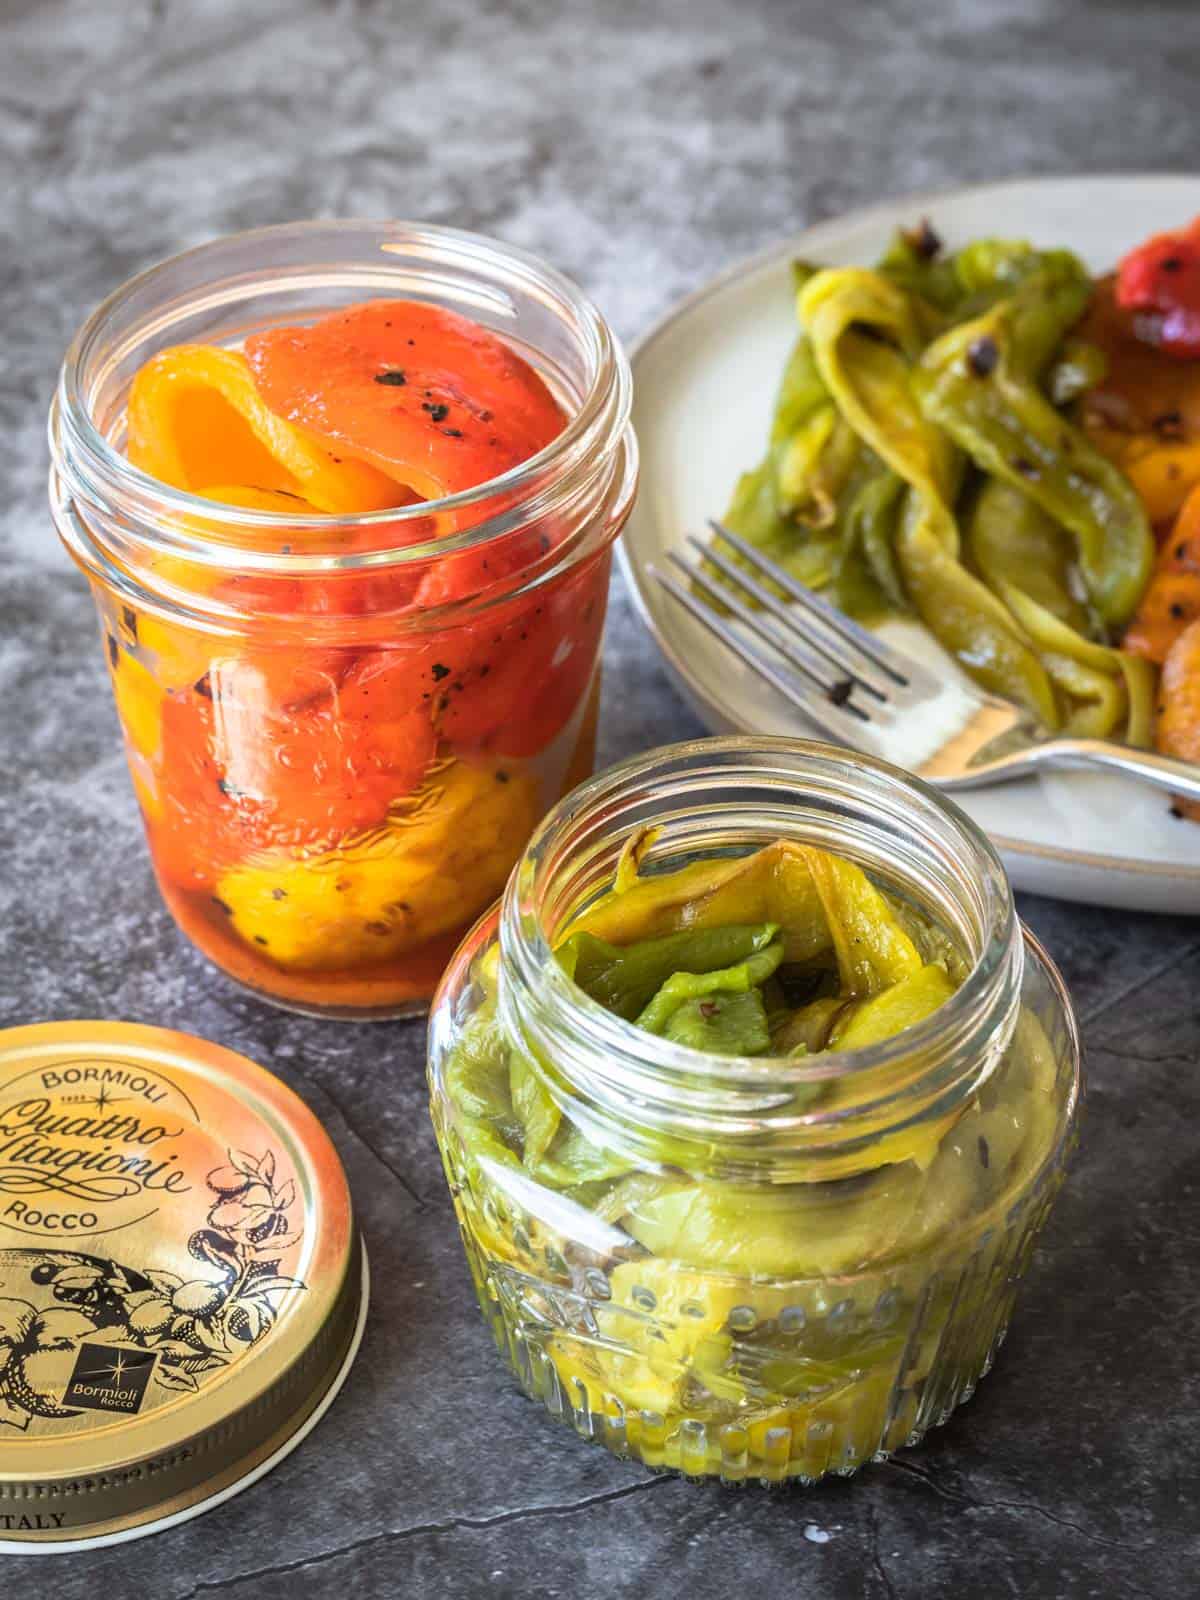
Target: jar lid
(181,1283)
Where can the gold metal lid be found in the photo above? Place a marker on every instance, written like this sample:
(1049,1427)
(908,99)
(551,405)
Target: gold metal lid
(180,1276)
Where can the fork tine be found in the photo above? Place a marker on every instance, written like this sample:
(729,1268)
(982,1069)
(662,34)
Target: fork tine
(833,719)
(835,654)
(845,629)
(837,688)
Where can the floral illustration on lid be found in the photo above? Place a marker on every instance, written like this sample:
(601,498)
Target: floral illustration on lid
(160,1327)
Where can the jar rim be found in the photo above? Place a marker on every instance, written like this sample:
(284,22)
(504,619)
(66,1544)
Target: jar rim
(93,468)
(983,1007)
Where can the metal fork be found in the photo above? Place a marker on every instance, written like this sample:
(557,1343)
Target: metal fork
(865,693)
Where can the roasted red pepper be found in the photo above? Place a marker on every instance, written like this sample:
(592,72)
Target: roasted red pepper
(1160,281)
(424,395)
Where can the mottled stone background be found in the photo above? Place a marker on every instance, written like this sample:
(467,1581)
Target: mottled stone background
(640,147)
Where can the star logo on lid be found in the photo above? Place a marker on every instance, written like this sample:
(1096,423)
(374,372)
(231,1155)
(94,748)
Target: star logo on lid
(110,1377)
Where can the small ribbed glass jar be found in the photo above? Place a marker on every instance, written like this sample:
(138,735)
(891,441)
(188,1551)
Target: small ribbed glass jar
(342,728)
(754,1268)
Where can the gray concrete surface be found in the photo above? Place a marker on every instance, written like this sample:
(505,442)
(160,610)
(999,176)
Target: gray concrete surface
(640,147)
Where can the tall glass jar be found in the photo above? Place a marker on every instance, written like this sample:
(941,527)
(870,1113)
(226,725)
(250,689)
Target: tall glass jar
(341,730)
(754,1268)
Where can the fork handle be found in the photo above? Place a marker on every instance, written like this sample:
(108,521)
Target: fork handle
(1164,772)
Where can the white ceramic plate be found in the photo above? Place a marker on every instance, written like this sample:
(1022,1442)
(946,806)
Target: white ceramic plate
(706,376)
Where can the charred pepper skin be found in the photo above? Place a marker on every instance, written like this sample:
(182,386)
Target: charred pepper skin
(1011,431)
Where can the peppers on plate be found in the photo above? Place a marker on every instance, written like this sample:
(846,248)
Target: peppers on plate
(1144,414)
(923,460)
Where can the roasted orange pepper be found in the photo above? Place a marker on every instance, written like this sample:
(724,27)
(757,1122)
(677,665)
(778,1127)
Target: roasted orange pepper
(1145,413)
(196,419)
(1179,709)
(1172,598)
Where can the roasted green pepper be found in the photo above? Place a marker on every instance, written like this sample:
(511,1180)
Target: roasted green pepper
(625,977)
(980,384)
(866,340)
(1028,559)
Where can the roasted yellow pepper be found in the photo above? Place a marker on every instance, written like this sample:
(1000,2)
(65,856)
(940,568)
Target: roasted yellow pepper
(196,420)
(439,859)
